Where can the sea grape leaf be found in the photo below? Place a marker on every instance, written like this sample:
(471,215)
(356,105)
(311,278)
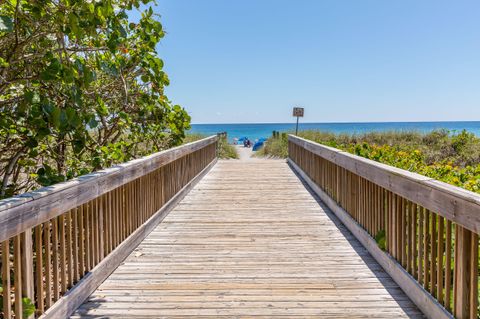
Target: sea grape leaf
(380,239)
(6,24)
(28,307)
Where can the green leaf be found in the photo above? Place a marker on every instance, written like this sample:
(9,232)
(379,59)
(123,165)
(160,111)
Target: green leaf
(123,115)
(91,7)
(93,123)
(102,108)
(3,63)
(52,71)
(42,132)
(6,24)
(73,23)
(28,307)
(122,31)
(32,97)
(380,239)
(48,176)
(72,117)
(78,145)
(55,117)
(31,143)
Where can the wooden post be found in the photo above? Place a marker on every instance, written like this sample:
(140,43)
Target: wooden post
(101,203)
(27,265)
(466,291)
(7,301)
(296,127)
(17,268)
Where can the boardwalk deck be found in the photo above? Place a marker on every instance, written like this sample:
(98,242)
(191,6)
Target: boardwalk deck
(249,241)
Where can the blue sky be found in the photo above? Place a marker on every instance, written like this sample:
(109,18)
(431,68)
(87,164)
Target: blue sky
(344,61)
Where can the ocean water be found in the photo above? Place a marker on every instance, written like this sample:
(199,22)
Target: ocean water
(258,130)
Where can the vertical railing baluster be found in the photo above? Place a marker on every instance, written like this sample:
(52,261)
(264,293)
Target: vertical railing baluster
(28,279)
(466,287)
(17,267)
(7,301)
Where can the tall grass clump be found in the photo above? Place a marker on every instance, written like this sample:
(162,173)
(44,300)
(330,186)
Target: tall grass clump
(276,147)
(192,137)
(225,150)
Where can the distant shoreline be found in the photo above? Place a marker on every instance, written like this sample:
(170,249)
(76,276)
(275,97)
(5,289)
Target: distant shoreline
(374,122)
(258,130)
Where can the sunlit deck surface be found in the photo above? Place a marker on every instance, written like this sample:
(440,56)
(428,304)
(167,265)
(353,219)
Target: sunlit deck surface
(249,240)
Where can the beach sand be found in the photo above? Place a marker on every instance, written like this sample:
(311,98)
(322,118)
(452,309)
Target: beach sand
(245,153)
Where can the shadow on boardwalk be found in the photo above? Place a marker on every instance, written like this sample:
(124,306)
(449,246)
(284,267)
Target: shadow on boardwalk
(372,265)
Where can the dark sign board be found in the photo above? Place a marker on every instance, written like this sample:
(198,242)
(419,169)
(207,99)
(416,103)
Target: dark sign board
(298,111)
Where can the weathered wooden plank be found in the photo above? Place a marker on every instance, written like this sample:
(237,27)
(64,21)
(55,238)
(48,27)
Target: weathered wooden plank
(238,249)
(422,299)
(75,296)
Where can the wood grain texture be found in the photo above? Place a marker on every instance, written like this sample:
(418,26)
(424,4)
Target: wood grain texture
(30,209)
(427,303)
(454,203)
(249,240)
(74,297)
(408,195)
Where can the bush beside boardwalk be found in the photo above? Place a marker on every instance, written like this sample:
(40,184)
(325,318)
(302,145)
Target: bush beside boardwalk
(451,157)
(225,151)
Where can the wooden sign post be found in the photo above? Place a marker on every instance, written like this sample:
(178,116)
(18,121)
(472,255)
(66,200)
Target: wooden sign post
(298,112)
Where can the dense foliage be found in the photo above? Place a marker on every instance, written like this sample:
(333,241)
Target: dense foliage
(81,88)
(447,156)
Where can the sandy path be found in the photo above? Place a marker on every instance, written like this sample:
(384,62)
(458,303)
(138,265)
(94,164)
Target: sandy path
(245,153)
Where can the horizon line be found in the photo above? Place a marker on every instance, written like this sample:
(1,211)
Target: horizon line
(363,122)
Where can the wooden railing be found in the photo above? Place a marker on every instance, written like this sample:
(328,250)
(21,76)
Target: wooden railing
(430,228)
(60,242)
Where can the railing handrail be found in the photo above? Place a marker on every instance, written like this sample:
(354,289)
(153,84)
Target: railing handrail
(33,208)
(454,203)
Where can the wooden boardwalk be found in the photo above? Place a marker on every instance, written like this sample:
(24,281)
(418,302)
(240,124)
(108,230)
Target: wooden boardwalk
(249,241)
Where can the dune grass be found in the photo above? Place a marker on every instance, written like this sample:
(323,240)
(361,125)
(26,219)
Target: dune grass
(225,150)
(452,157)
(274,147)
(192,137)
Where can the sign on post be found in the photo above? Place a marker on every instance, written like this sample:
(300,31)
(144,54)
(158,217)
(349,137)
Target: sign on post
(298,112)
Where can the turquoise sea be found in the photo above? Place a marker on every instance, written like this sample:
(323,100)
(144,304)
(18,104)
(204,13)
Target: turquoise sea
(258,130)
